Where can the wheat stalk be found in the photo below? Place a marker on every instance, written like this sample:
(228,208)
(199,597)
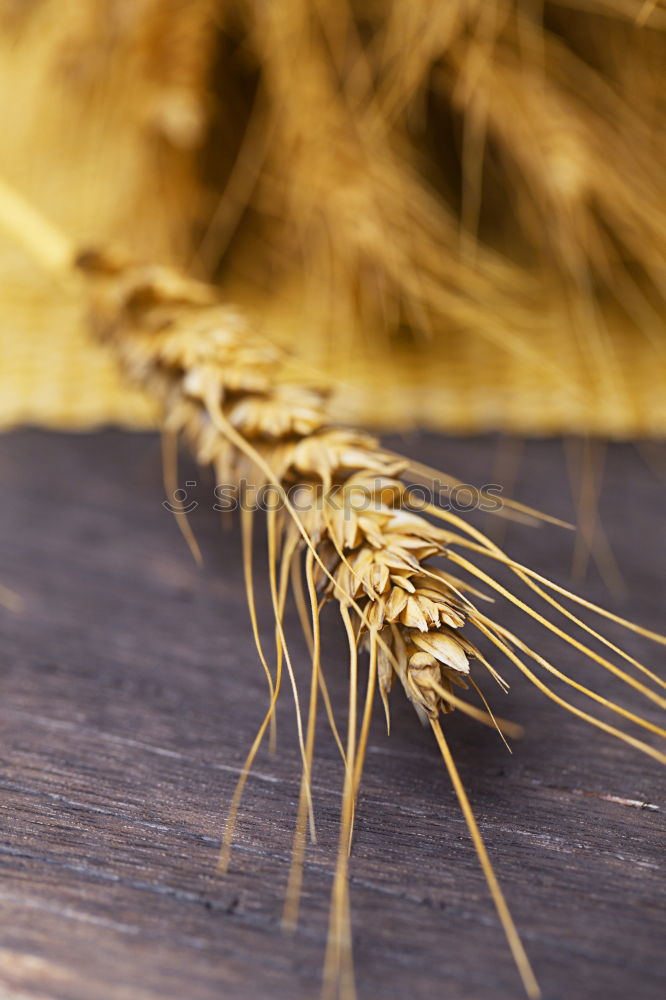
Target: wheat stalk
(481,176)
(543,100)
(341,513)
(342,502)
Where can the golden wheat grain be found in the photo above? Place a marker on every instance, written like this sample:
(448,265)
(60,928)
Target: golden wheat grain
(342,507)
(341,512)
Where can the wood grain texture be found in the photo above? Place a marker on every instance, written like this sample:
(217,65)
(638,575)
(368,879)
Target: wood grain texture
(131,692)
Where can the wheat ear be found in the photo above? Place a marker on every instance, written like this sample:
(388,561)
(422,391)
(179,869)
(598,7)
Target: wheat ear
(339,501)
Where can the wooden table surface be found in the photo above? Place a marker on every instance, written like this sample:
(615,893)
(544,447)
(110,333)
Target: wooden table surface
(131,692)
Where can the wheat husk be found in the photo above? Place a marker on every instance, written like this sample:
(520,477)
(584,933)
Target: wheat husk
(340,506)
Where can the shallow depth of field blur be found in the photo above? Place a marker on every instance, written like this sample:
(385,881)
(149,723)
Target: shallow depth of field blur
(457,210)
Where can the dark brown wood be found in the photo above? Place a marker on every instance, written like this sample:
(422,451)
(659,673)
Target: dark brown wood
(130,694)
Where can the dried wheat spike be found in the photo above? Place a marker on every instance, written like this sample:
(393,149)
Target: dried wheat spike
(339,500)
(212,372)
(246,411)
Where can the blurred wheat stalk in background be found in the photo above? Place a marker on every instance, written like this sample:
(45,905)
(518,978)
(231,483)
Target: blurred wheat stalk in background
(457,209)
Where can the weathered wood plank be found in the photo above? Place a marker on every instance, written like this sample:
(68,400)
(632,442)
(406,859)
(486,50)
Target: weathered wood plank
(130,694)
